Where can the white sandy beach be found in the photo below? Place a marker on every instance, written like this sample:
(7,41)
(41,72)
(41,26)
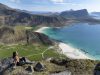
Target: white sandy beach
(72,52)
(67,50)
(41,29)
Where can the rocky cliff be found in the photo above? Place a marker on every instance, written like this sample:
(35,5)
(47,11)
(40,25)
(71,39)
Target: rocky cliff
(83,13)
(10,35)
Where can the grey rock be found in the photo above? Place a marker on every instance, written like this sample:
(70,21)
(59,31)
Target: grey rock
(30,69)
(39,67)
(63,73)
(97,69)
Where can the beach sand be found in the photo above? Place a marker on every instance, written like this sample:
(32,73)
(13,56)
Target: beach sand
(67,50)
(41,29)
(71,52)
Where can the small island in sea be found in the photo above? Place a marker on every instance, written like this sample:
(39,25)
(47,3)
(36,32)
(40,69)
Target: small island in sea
(40,42)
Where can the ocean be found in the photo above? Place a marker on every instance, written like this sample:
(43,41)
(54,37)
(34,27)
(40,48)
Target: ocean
(78,35)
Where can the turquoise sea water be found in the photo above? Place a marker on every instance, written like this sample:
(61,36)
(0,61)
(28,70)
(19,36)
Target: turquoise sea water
(79,35)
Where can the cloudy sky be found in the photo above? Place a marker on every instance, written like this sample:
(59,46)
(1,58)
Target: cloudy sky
(53,5)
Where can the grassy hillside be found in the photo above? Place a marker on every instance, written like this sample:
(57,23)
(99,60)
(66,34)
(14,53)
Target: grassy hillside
(33,52)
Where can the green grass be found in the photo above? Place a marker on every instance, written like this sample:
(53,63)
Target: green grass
(32,52)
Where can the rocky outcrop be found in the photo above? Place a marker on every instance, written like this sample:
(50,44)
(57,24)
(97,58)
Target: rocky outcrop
(97,69)
(59,61)
(62,73)
(81,67)
(39,67)
(43,38)
(8,35)
(75,14)
(7,67)
(6,30)
(5,64)
(30,69)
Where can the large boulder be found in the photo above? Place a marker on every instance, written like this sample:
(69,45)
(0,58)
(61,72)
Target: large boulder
(39,67)
(97,69)
(7,67)
(5,64)
(30,69)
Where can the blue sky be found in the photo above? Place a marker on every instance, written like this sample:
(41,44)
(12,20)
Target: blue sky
(53,5)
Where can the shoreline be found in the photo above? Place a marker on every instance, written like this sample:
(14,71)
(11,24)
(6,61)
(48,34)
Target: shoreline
(72,53)
(40,30)
(69,51)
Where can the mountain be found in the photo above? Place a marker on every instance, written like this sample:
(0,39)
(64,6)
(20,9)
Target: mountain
(9,16)
(96,13)
(44,13)
(40,12)
(83,13)
(2,7)
(13,17)
(80,16)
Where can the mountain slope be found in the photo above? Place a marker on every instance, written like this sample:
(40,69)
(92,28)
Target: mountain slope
(13,17)
(9,16)
(83,13)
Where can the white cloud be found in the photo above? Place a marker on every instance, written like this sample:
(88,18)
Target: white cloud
(62,2)
(68,3)
(15,1)
(57,1)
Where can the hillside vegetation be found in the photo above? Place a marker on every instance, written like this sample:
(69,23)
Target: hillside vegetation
(33,52)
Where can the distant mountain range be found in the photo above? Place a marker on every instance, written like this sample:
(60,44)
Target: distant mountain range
(9,16)
(96,13)
(83,13)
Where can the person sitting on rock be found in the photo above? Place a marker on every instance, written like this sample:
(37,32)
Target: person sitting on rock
(17,60)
